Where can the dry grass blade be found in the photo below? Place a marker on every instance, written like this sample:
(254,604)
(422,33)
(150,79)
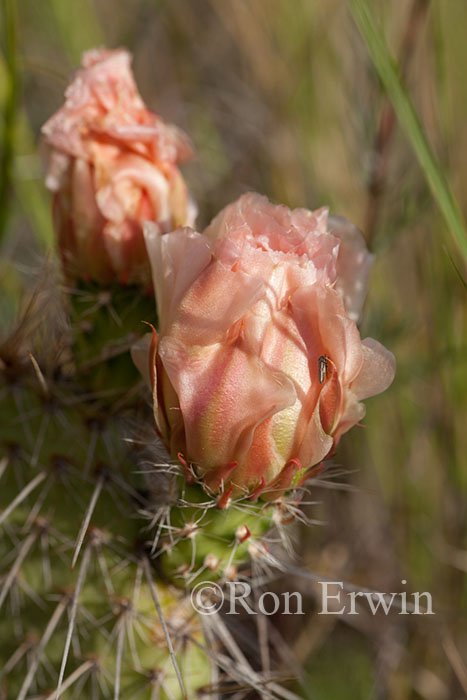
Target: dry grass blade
(456,661)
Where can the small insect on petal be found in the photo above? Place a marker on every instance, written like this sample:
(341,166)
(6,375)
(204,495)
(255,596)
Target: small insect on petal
(322,368)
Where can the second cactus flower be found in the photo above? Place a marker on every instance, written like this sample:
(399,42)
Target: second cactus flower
(113,164)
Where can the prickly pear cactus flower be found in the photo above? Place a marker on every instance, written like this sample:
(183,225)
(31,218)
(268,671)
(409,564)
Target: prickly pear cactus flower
(113,164)
(259,367)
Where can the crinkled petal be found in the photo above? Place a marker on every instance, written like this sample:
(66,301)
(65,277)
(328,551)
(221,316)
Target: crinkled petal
(120,183)
(103,103)
(298,236)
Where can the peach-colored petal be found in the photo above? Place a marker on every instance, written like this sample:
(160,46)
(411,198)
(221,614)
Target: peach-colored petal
(316,442)
(120,183)
(224,395)
(263,459)
(213,304)
(88,252)
(103,91)
(297,236)
(377,370)
(177,259)
(353,411)
(144,355)
(353,265)
(326,330)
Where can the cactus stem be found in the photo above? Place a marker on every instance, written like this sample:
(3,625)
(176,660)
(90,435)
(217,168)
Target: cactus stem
(24,493)
(152,588)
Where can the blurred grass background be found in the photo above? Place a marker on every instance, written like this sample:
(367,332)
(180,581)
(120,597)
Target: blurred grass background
(290,98)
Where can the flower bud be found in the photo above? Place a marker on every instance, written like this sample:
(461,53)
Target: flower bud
(113,165)
(259,366)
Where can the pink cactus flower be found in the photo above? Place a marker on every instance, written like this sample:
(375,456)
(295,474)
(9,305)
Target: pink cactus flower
(113,164)
(259,368)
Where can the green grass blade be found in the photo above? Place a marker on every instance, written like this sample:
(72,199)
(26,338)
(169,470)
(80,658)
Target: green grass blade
(10,76)
(78,26)
(33,199)
(387,69)
(22,183)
